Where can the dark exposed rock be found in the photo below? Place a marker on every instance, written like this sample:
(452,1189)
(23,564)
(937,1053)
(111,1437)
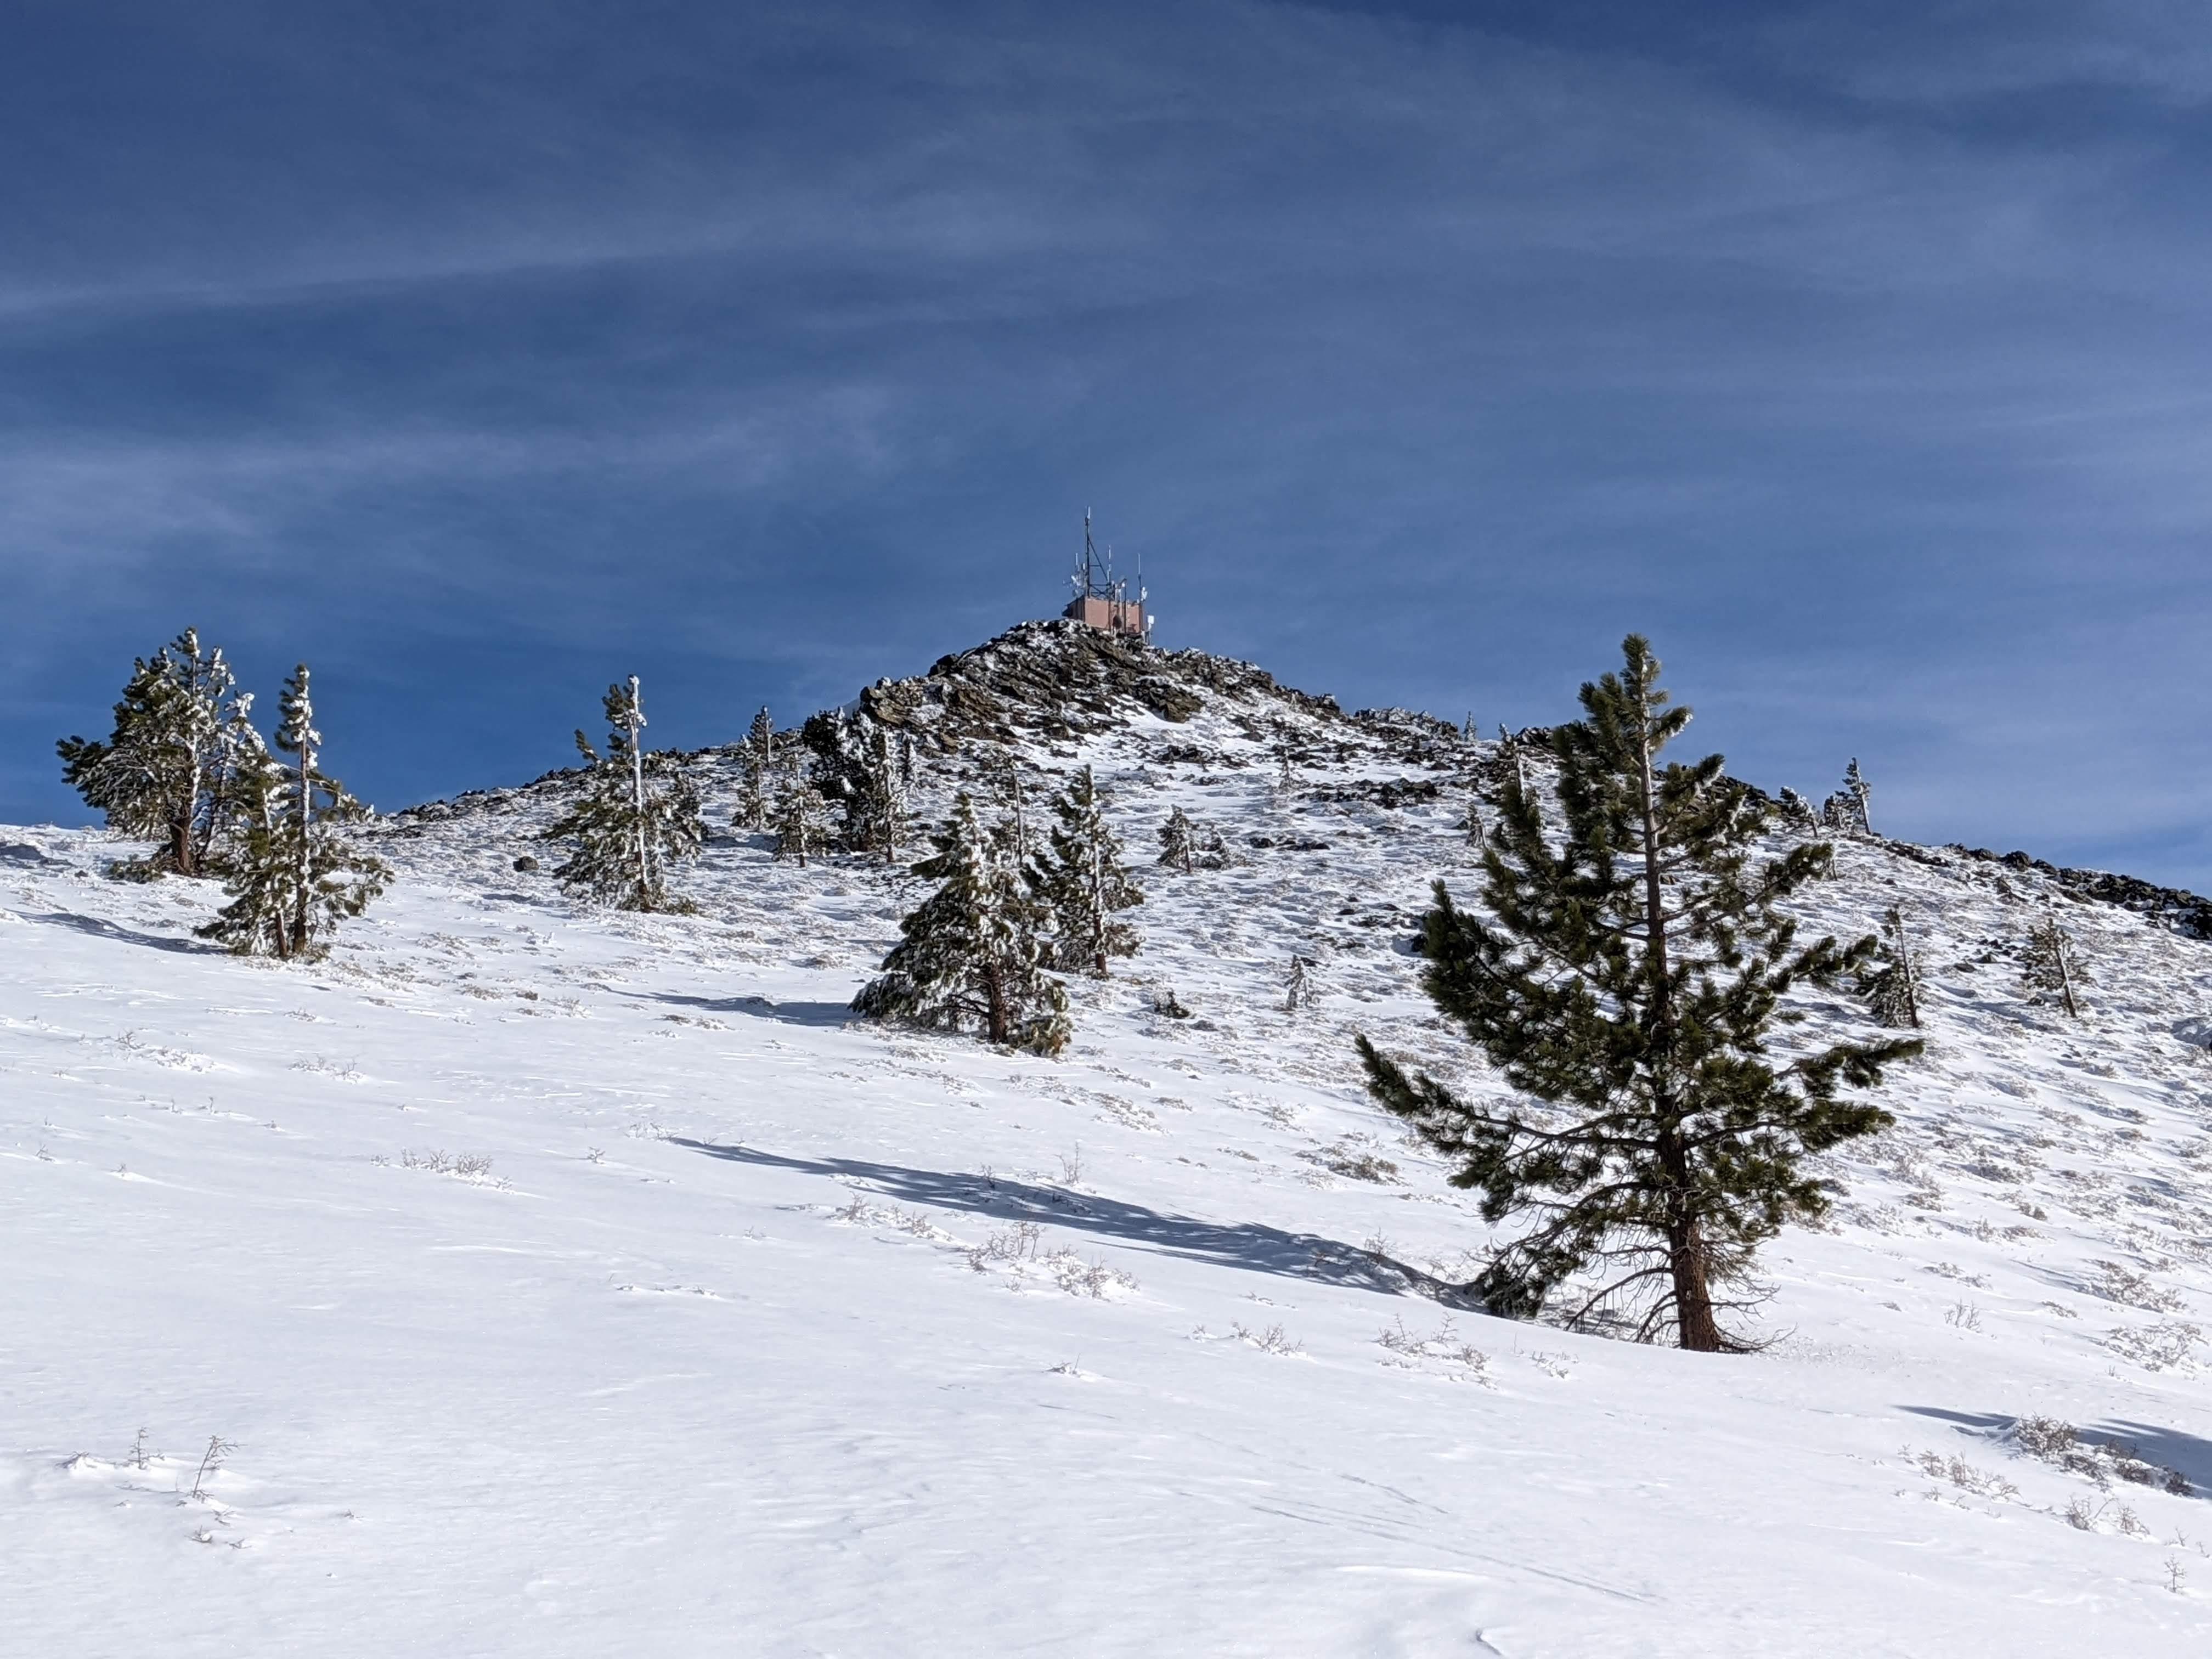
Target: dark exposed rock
(2186,913)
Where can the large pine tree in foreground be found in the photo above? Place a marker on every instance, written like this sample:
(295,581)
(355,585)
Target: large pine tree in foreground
(637,815)
(1628,985)
(971,957)
(296,875)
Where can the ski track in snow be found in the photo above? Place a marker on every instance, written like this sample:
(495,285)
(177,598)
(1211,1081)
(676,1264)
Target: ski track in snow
(578,1284)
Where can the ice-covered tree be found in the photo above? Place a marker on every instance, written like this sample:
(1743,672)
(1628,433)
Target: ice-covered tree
(1796,812)
(1084,884)
(1298,990)
(1178,841)
(297,874)
(867,771)
(801,819)
(1629,979)
(970,957)
(1891,984)
(183,732)
(755,775)
(635,815)
(2050,961)
(1846,810)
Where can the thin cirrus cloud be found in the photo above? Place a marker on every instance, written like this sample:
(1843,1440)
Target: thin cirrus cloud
(1854,353)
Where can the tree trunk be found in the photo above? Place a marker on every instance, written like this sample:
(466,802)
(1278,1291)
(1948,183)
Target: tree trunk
(1698,1330)
(637,795)
(995,996)
(180,843)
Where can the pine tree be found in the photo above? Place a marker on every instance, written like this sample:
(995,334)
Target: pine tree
(635,815)
(1178,841)
(1846,810)
(1297,985)
(801,819)
(1891,985)
(1629,981)
(1796,811)
(755,768)
(2050,961)
(296,876)
(1286,768)
(864,770)
(182,732)
(970,955)
(1859,796)
(1083,883)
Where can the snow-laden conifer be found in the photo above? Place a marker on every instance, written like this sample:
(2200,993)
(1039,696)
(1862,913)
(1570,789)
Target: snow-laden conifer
(755,775)
(182,733)
(635,815)
(1796,812)
(2050,961)
(297,874)
(971,956)
(1891,985)
(1847,810)
(867,771)
(1629,981)
(1298,990)
(1178,841)
(801,819)
(1084,884)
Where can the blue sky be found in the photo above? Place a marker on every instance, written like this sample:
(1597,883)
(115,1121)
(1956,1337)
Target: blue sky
(1859,354)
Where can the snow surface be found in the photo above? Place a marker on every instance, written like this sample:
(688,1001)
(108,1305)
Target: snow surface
(576,1284)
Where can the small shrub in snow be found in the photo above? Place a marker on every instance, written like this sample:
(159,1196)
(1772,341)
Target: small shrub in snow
(211,1463)
(2117,1283)
(1274,1340)
(1964,1476)
(2101,1460)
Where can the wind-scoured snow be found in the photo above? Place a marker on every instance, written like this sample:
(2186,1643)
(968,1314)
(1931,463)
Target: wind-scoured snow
(567,1283)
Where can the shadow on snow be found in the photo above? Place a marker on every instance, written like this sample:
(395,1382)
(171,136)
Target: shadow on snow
(100,929)
(791,1013)
(1248,1245)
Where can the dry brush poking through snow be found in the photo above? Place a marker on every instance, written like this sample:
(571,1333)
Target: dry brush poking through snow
(716,1368)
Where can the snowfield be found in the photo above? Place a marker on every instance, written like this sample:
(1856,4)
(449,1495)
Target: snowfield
(563,1283)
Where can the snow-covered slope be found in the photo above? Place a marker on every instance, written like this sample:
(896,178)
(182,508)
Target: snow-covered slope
(573,1284)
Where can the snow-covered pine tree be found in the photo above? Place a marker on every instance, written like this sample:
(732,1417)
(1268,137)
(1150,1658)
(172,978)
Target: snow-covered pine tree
(295,876)
(756,773)
(1286,767)
(1178,841)
(635,815)
(1630,982)
(1796,811)
(2050,961)
(970,957)
(1508,747)
(864,770)
(182,732)
(1846,811)
(887,769)
(1891,985)
(801,819)
(1860,797)
(1297,985)
(1083,883)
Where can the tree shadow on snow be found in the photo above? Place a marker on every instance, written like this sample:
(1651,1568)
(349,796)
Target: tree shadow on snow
(100,929)
(2170,1449)
(1250,1245)
(791,1013)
